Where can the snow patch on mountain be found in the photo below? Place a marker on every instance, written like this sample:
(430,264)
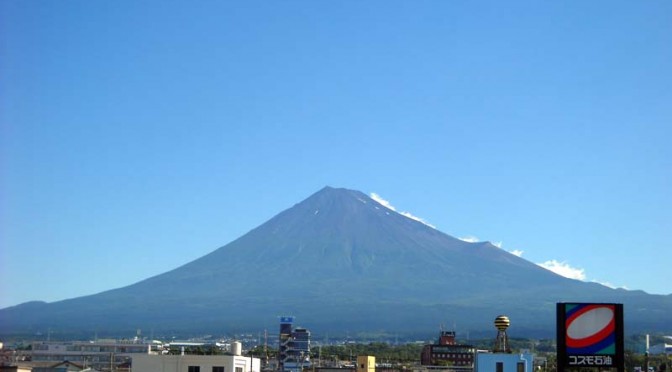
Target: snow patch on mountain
(389,206)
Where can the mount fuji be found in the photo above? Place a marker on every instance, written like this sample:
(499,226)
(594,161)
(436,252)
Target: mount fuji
(340,261)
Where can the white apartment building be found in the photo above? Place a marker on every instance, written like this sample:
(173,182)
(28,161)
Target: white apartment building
(194,363)
(101,353)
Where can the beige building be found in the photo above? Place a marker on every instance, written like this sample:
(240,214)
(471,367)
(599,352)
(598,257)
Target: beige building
(194,363)
(366,363)
(15,369)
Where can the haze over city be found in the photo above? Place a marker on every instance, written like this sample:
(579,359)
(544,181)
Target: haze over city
(136,137)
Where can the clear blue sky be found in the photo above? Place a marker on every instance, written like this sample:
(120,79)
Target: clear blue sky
(136,136)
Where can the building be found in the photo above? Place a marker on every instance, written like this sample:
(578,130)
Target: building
(15,369)
(448,353)
(294,346)
(366,363)
(504,362)
(195,363)
(501,359)
(659,349)
(46,367)
(97,354)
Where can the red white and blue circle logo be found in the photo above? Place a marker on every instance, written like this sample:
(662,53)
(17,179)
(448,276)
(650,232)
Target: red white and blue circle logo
(590,329)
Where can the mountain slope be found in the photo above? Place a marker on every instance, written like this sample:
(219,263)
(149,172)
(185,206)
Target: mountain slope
(336,258)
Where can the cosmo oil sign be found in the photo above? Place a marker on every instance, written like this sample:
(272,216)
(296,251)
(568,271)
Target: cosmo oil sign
(590,335)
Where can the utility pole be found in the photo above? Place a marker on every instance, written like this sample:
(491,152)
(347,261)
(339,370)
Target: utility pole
(646,355)
(265,347)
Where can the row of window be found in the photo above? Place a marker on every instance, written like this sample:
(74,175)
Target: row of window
(457,362)
(214,369)
(453,356)
(76,358)
(198,369)
(92,349)
(520,367)
(453,349)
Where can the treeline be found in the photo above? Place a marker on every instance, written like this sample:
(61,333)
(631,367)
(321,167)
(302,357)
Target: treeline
(383,352)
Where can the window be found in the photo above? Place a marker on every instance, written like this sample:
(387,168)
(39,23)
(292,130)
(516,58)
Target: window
(520,367)
(499,367)
(239,369)
(194,369)
(217,369)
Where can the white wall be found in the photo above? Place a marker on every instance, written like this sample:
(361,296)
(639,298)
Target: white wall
(486,362)
(181,363)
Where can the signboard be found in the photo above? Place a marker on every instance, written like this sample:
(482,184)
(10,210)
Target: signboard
(590,335)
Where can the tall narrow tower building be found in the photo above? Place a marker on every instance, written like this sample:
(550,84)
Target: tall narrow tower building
(502,340)
(294,346)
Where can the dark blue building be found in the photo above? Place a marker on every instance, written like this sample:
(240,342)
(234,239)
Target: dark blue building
(294,346)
